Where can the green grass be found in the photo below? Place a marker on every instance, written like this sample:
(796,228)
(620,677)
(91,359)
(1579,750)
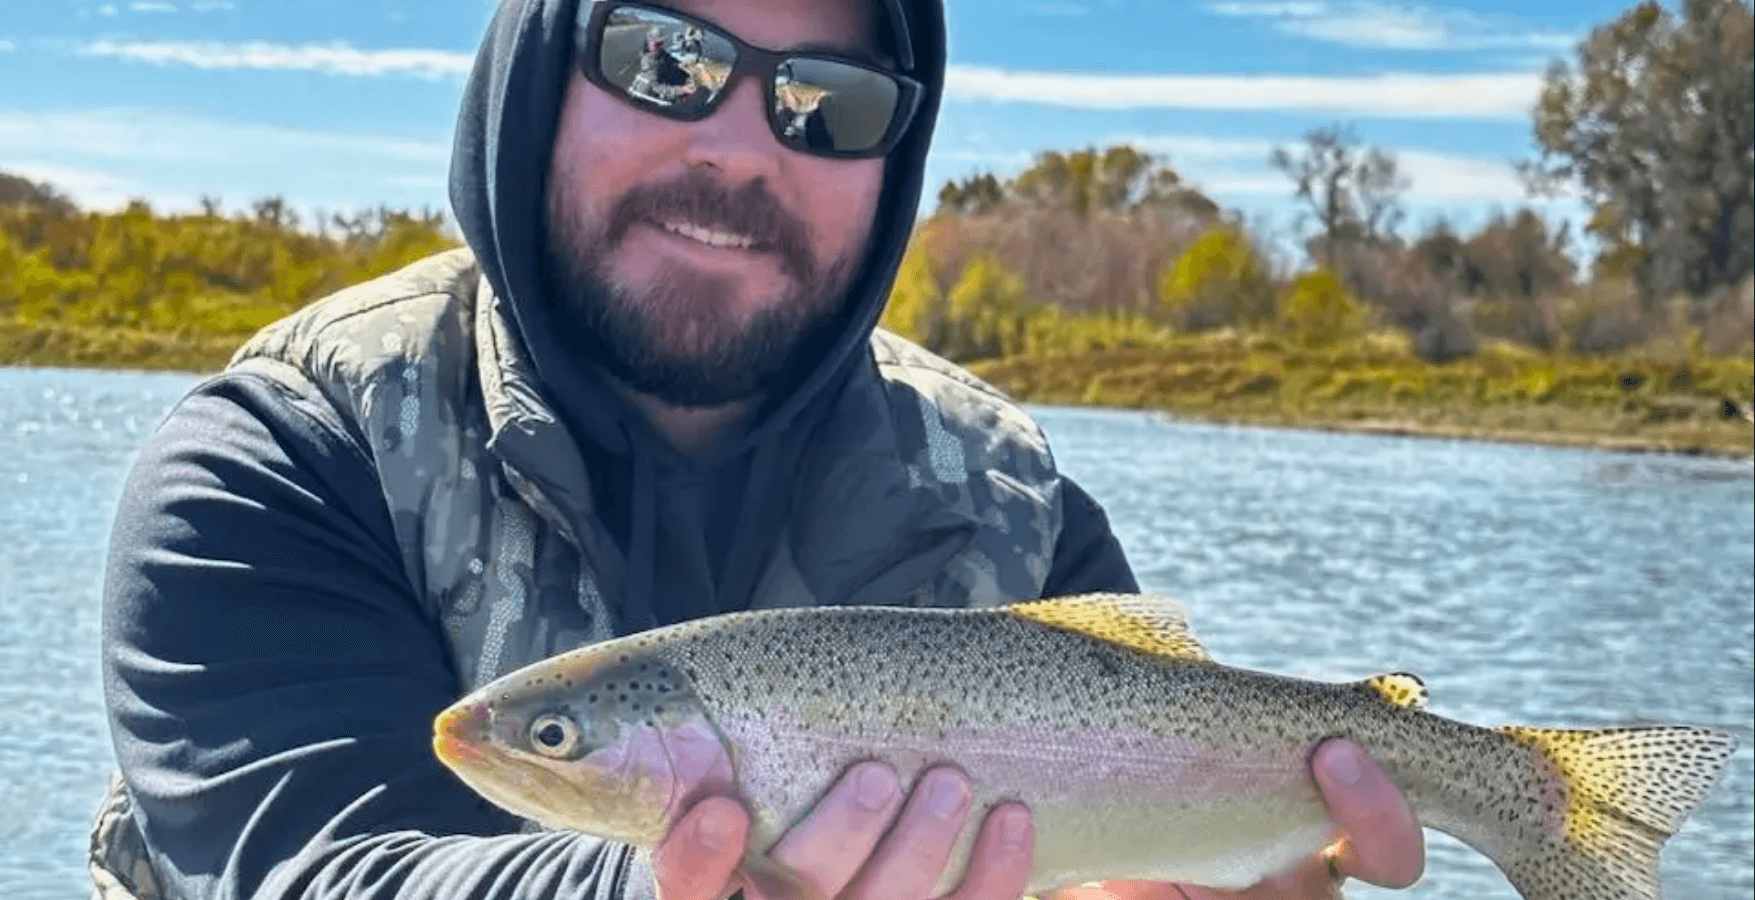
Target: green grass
(73,346)
(1674,404)
(1664,402)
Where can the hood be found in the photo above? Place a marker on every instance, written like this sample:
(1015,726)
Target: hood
(680,538)
(505,133)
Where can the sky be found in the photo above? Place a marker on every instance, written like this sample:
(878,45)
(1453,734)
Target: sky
(339,105)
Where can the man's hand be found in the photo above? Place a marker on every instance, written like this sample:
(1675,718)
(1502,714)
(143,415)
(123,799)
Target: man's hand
(864,840)
(1383,844)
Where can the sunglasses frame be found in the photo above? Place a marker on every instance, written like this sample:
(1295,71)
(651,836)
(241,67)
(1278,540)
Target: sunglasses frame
(751,61)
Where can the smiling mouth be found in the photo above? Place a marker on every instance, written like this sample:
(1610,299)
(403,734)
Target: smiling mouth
(711,237)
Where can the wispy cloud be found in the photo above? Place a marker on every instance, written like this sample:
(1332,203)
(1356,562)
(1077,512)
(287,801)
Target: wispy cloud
(93,188)
(1506,95)
(1393,26)
(1237,167)
(104,157)
(332,59)
(151,8)
(7,46)
(1240,166)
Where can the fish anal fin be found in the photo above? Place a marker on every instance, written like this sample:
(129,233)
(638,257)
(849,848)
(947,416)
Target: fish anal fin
(1149,623)
(1403,689)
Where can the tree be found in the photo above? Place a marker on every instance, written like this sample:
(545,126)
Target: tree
(1654,125)
(973,196)
(1353,193)
(1120,179)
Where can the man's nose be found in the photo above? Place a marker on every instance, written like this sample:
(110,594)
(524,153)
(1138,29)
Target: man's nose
(736,138)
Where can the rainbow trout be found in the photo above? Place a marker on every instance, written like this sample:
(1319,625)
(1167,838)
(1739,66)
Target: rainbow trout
(1140,756)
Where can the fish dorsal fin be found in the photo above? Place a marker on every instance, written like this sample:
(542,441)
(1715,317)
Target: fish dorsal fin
(1149,623)
(1403,689)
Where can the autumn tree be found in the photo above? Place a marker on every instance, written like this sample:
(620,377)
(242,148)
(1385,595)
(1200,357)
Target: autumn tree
(1352,193)
(1653,124)
(1117,179)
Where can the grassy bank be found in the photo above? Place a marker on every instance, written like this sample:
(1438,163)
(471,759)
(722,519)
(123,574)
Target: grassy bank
(91,347)
(1377,384)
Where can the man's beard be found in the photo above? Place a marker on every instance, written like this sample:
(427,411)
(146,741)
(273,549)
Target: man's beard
(678,338)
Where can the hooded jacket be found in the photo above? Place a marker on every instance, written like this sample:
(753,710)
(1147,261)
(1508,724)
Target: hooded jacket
(410,488)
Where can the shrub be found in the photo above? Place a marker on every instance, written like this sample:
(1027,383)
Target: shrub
(1219,280)
(1317,309)
(985,312)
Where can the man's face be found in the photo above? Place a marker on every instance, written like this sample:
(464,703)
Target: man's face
(692,259)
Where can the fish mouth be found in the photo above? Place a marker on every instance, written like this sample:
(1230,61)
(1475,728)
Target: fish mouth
(458,732)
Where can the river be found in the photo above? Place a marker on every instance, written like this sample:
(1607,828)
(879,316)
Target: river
(1526,584)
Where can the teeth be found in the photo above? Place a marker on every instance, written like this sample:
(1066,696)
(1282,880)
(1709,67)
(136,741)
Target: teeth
(712,237)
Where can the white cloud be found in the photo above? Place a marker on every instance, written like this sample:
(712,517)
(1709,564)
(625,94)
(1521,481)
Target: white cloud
(151,8)
(7,46)
(94,188)
(1490,95)
(1237,167)
(332,59)
(1507,95)
(104,157)
(1393,26)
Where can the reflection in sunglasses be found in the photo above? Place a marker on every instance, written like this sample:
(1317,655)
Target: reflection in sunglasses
(680,68)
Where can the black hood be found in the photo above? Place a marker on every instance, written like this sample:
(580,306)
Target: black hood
(504,140)
(679,538)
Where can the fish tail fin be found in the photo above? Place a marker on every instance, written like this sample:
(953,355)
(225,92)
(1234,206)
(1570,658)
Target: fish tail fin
(1618,795)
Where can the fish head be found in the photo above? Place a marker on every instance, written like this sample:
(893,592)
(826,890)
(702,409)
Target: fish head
(607,740)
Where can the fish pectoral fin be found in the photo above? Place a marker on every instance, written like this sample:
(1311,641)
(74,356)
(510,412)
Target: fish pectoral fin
(1149,623)
(1403,689)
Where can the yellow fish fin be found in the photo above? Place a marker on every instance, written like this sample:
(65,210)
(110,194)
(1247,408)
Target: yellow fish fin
(1149,623)
(1404,689)
(1621,792)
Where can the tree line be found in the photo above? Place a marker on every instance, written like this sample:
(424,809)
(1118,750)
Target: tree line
(1652,123)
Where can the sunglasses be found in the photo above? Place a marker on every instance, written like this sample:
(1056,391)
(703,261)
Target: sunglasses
(680,67)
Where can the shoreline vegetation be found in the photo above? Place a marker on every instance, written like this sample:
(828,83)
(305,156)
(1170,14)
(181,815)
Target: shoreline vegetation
(1099,277)
(141,290)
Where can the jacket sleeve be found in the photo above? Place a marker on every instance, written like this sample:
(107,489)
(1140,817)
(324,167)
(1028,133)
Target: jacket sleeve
(271,679)
(1087,557)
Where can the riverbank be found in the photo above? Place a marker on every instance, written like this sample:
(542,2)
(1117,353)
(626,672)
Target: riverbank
(1672,403)
(1675,403)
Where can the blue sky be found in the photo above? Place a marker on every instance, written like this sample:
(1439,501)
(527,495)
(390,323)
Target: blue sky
(342,104)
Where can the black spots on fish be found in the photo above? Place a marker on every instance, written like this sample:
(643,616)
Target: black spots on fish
(1104,664)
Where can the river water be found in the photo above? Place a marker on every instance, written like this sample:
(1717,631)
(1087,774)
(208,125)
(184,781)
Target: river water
(1525,584)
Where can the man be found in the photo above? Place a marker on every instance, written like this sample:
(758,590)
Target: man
(650,390)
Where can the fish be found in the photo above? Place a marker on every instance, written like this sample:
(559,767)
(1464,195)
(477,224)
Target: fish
(1139,755)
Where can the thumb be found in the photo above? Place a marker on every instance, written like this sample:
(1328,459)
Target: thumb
(696,859)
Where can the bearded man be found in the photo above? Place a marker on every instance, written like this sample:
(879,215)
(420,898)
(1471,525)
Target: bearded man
(651,388)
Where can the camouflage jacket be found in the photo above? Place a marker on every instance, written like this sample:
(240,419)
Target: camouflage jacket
(958,499)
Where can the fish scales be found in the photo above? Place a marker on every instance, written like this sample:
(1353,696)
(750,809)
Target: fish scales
(1139,756)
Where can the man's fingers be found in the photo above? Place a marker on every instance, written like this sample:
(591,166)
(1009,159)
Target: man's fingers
(911,857)
(1384,845)
(828,848)
(696,859)
(999,863)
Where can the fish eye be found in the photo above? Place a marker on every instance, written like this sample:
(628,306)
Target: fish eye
(554,736)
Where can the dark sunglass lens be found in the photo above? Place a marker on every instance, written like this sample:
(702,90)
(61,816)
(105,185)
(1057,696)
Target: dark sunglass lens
(667,63)
(827,106)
